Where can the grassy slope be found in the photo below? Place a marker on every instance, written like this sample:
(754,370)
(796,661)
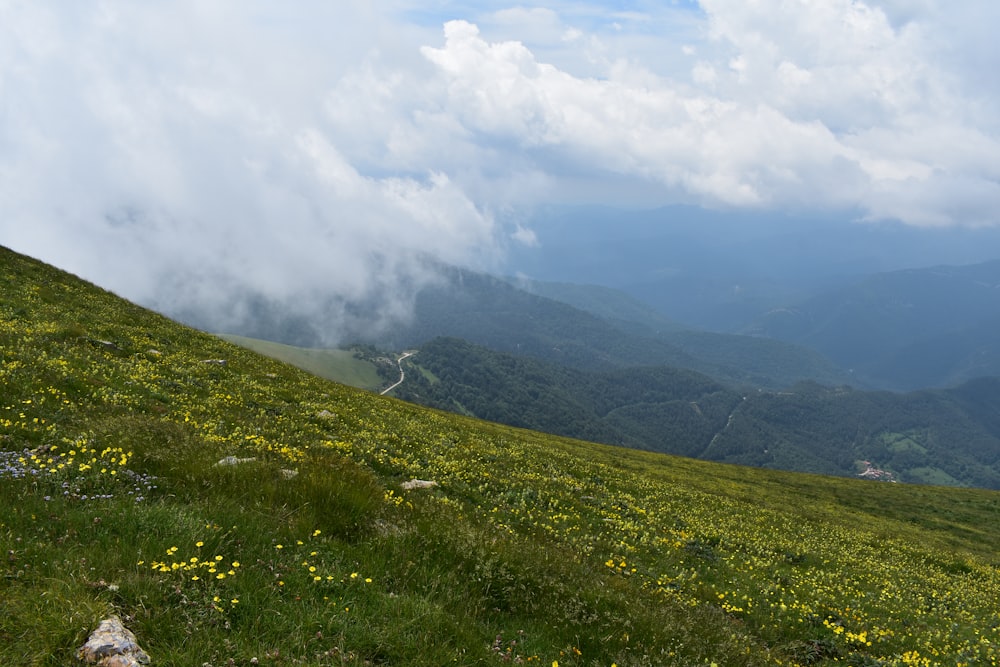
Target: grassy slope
(337,365)
(533,548)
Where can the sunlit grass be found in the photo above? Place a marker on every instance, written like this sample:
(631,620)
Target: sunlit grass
(531,549)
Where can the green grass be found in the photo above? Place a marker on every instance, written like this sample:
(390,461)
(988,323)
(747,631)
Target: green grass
(337,365)
(532,549)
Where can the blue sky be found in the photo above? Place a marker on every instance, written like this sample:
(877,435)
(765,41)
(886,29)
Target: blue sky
(171,150)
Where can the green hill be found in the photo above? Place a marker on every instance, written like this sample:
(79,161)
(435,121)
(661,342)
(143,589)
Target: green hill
(936,437)
(118,497)
(343,366)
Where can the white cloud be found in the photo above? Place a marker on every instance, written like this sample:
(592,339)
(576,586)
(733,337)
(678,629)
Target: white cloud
(283,146)
(806,105)
(176,158)
(525,236)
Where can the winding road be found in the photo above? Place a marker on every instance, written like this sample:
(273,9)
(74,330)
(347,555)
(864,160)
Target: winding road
(402,375)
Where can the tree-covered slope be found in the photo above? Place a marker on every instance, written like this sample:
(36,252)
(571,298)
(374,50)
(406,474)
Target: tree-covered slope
(459,376)
(937,437)
(118,496)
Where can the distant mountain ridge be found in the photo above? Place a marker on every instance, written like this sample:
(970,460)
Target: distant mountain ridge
(491,312)
(610,304)
(722,270)
(903,329)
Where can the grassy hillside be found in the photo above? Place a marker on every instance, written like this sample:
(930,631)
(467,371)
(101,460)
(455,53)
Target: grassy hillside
(342,366)
(531,549)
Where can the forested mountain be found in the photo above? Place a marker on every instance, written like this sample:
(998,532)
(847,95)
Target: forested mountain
(903,329)
(939,437)
(490,312)
(529,393)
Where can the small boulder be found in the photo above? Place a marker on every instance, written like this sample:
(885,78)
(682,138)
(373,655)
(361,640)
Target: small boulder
(108,345)
(234,460)
(112,645)
(418,484)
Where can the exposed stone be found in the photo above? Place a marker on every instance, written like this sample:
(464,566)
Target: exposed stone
(105,344)
(288,474)
(112,645)
(217,362)
(418,484)
(325,414)
(234,460)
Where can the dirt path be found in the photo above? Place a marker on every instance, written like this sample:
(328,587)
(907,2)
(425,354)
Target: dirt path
(402,375)
(729,422)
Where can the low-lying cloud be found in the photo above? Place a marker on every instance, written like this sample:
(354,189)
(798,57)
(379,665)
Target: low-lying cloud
(206,158)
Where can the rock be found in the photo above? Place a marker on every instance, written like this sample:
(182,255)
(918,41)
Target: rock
(288,474)
(233,461)
(325,414)
(418,484)
(217,362)
(112,645)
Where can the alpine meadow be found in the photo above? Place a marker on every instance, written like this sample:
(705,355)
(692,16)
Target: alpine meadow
(232,509)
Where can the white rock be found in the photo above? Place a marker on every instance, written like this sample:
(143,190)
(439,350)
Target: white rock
(418,484)
(233,460)
(112,645)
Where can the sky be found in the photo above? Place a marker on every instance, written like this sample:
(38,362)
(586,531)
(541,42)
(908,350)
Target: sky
(186,153)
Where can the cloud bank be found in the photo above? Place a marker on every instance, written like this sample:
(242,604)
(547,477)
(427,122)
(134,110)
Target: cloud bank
(815,105)
(184,154)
